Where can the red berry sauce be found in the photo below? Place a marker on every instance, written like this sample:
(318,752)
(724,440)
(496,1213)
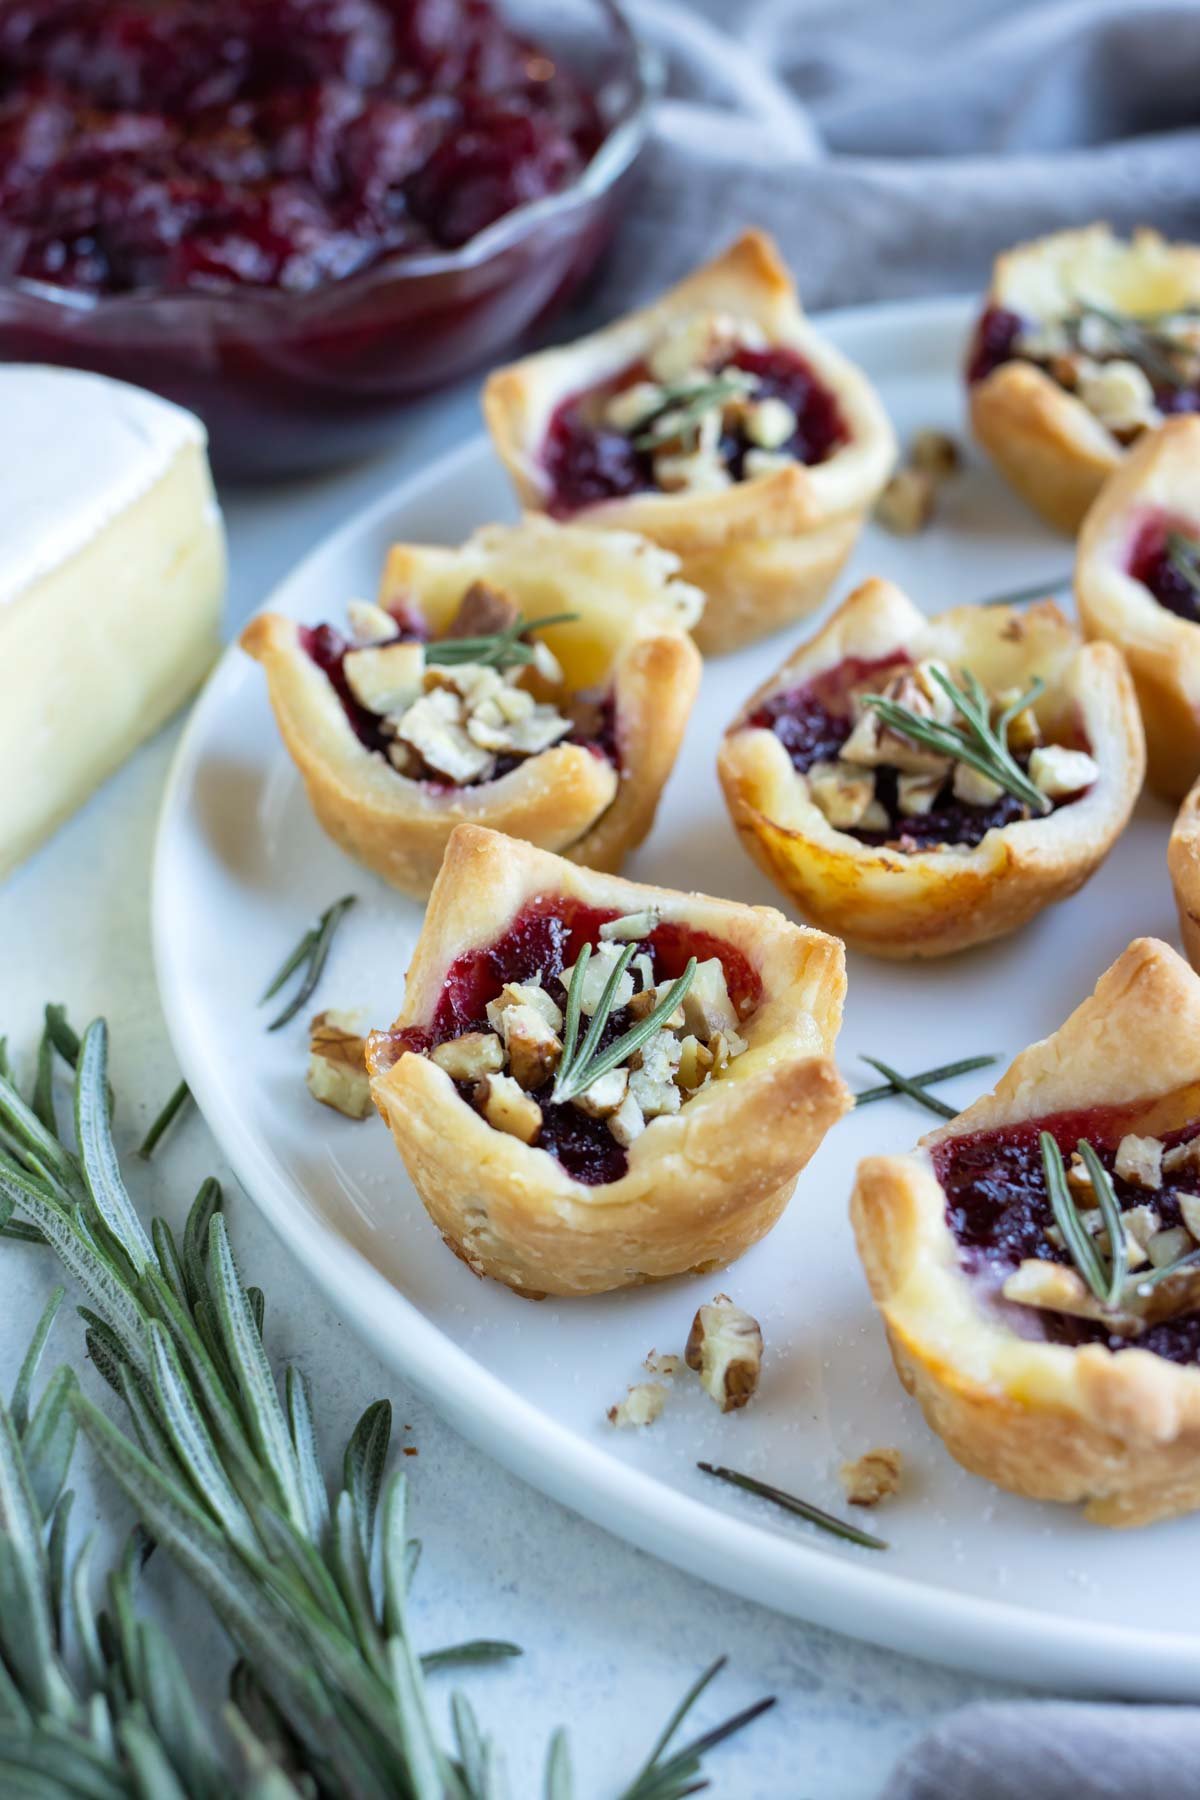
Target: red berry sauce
(544,939)
(174,145)
(328,648)
(588,461)
(813,722)
(998,1210)
(1150,563)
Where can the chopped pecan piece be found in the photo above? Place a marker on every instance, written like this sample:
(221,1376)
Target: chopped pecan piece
(470,1057)
(725,1347)
(507,1106)
(1139,1160)
(641,1405)
(482,611)
(873,1477)
(337,1069)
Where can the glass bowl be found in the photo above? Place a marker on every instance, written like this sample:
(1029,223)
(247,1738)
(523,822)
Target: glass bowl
(292,383)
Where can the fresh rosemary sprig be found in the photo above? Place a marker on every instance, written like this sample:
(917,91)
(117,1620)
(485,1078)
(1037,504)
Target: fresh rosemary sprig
(1103,1276)
(579,1068)
(682,409)
(329,1696)
(164,1121)
(1143,341)
(1145,1282)
(313,950)
(664,1777)
(1183,554)
(977,742)
(1037,590)
(802,1508)
(498,649)
(915,1085)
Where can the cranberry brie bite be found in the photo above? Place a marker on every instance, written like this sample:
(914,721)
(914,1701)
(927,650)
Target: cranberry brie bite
(1137,584)
(1037,1260)
(594,1083)
(919,785)
(716,422)
(1087,340)
(539,680)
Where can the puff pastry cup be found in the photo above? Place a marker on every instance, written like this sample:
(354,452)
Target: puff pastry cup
(629,674)
(1183,860)
(703,1178)
(898,881)
(1094,1405)
(1057,389)
(764,545)
(1130,592)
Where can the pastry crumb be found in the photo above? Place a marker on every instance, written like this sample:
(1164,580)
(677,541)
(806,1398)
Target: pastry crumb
(641,1405)
(337,1067)
(725,1347)
(873,1477)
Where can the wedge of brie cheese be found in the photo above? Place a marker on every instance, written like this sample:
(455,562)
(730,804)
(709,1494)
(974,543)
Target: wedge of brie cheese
(112,573)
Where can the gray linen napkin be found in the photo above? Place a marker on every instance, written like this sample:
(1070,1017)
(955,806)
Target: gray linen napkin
(893,147)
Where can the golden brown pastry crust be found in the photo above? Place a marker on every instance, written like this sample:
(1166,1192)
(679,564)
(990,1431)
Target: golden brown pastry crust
(934,902)
(1162,650)
(632,635)
(702,1185)
(1043,439)
(1119,1431)
(1183,860)
(765,550)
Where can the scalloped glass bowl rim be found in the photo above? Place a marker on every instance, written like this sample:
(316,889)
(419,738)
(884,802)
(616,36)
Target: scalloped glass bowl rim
(610,162)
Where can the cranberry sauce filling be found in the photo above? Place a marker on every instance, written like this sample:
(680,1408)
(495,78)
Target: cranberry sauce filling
(994,342)
(544,939)
(588,461)
(191,144)
(998,1210)
(1150,563)
(813,722)
(595,730)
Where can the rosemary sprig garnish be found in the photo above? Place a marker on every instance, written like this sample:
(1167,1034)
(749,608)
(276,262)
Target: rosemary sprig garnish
(802,1508)
(1037,590)
(1144,1282)
(313,949)
(578,1069)
(915,1085)
(664,1777)
(330,1693)
(164,1121)
(1143,341)
(1104,1279)
(977,742)
(683,408)
(1183,554)
(498,649)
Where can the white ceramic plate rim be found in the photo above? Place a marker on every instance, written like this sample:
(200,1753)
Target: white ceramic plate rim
(853,1594)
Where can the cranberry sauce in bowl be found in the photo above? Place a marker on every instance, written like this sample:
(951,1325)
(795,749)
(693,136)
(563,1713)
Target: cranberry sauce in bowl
(587,460)
(998,1210)
(289,215)
(545,938)
(1158,561)
(813,723)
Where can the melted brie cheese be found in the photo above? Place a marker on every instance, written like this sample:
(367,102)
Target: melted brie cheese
(112,571)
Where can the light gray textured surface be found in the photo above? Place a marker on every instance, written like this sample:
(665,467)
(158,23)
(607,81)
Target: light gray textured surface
(611,1637)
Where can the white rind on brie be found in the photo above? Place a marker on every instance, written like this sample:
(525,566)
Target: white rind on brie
(112,574)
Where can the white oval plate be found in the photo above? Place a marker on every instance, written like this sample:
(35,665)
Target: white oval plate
(973,1576)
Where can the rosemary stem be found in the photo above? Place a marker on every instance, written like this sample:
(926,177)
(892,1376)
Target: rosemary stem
(944,1072)
(802,1508)
(909,1085)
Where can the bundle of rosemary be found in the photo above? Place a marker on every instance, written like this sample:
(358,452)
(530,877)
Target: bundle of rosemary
(329,1694)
